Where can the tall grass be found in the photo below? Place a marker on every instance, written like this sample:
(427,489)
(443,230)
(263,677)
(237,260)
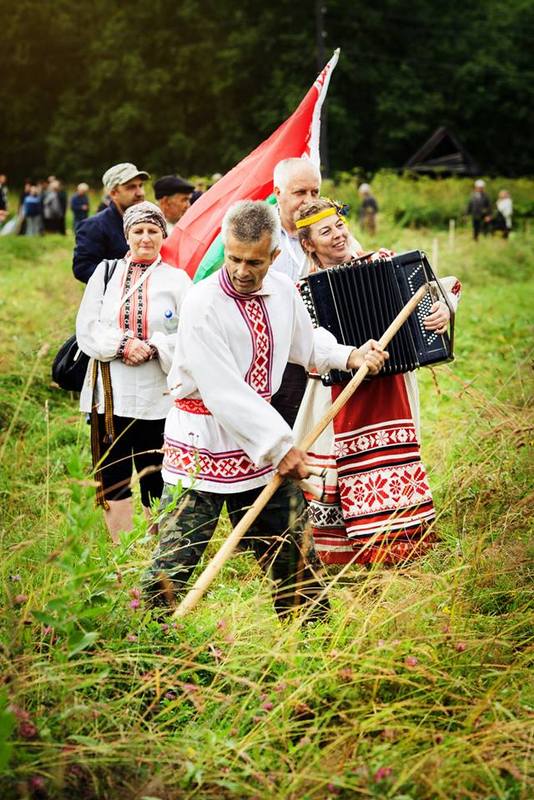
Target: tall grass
(417,687)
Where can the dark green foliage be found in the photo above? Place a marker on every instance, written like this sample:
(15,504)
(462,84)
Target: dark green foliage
(194,86)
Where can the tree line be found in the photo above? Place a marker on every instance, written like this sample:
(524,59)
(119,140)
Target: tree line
(194,86)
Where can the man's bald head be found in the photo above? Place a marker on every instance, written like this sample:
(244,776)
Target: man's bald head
(296,181)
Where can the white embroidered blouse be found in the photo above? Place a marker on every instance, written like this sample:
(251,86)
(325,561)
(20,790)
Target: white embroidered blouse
(223,435)
(103,326)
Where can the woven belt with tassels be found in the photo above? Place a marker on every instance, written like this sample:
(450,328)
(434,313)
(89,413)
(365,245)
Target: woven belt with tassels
(109,430)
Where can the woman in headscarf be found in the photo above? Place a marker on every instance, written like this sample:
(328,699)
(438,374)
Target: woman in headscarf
(127,325)
(377,506)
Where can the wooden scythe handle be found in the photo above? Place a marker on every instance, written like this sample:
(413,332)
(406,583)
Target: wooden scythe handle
(221,557)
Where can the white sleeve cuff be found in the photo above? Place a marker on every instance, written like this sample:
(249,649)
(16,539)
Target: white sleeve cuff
(339,356)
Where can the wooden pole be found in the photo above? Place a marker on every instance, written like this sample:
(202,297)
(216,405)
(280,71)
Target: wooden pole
(221,557)
(435,255)
(452,230)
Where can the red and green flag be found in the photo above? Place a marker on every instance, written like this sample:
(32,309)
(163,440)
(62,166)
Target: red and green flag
(195,243)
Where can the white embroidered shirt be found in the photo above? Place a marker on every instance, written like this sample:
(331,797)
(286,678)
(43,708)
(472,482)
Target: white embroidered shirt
(138,391)
(223,435)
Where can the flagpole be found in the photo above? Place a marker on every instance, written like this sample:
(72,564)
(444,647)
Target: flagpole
(320,45)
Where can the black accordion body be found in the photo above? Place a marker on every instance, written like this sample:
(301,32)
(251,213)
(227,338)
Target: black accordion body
(357,301)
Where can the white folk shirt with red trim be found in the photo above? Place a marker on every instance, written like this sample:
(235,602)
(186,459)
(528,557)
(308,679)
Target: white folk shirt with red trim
(138,391)
(223,435)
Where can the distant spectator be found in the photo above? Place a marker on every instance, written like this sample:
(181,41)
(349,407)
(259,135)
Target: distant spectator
(102,235)
(28,183)
(503,218)
(79,204)
(32,211)
(104,203)
(479,208)
(21,228)
(53,213)
(4,200)
(368,209)
(63,200)
(215,177)
(200,188)
(173,197)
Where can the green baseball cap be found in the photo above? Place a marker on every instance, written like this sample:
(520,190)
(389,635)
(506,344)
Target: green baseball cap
(122,173)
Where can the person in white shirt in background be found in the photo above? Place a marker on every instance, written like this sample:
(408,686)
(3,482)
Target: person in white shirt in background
(296,181)
(129,331)
(505,208)
(223,439)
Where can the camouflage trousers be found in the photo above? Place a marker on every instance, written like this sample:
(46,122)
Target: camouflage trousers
(279,539)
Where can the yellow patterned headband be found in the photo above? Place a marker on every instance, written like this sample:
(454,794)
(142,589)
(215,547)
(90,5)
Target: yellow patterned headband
(326,212)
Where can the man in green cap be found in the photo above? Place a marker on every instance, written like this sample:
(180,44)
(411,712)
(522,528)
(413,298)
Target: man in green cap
(102,235)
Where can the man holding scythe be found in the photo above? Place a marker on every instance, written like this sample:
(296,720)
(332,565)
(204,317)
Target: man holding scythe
(223,439)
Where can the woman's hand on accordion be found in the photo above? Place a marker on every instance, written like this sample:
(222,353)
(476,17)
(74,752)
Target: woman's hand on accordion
(369,353)
(438,319)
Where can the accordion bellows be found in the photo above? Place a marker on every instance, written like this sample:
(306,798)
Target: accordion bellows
(358,300)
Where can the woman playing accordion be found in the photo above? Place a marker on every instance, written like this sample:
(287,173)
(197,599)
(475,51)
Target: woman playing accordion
(377,505)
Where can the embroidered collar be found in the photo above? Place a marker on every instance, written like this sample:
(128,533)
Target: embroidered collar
(225,283)
(130,262)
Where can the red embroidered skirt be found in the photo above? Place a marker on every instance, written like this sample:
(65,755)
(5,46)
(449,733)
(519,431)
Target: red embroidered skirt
(381,508)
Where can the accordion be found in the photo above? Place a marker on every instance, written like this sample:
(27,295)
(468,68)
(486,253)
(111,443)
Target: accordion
(357,301)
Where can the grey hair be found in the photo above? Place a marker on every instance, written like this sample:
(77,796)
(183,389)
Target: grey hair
(248,220)
(283,170)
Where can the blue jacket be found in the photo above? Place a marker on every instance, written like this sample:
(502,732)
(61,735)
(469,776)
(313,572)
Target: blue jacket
(98,237)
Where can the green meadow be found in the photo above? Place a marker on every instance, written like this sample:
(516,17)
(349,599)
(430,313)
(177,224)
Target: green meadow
(420,683)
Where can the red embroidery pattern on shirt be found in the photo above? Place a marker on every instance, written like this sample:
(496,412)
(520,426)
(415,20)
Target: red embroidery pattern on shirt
(192,405)
(255,315)
(225,467)
(133,312)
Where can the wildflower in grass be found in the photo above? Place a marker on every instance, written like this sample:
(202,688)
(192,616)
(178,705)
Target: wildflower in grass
(305,740)
(267,706)
(221,624)
(164,627)
(37,783)
(135,593)
(382,773)
(14,578)
(346,674)
(134,604)
(20,599)
(27,730)
(333,789)
(190,688)
(280,686)
(460,646)
(76,770)
(131,637)
(170,695)
(411,661)
(217,652)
